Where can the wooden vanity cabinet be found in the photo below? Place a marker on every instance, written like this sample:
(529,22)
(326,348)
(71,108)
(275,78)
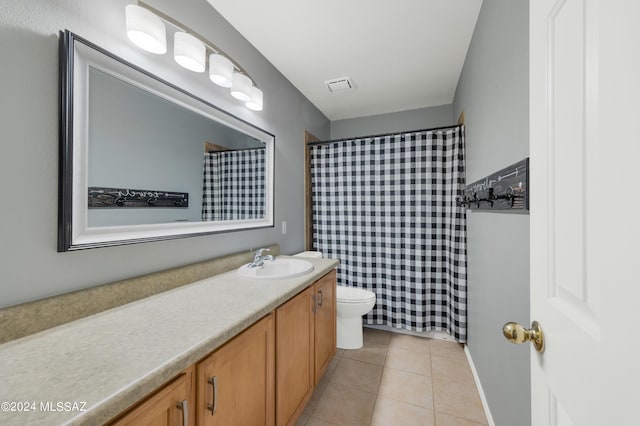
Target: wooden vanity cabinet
(235,384)
(172,404)
(305,345)
(325,324)
(295,326)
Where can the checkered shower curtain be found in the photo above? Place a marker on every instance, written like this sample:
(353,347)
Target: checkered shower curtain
(233,185)
(386,208)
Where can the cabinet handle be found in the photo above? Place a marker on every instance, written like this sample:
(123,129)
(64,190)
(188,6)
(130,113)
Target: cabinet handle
(184,406)
(320,301)
(214,386)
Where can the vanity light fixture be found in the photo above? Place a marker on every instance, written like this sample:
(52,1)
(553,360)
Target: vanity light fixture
(146,29)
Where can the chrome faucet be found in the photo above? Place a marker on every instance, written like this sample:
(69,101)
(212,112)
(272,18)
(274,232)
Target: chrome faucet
(259,258)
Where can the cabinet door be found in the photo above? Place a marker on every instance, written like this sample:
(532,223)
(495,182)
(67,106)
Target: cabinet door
(170,405)
(325,331)
(236,383)
(294,356)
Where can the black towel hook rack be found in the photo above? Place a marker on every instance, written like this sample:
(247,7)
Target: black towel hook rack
(490,198)
(506,189)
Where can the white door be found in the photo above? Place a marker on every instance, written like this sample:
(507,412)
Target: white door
(585,216)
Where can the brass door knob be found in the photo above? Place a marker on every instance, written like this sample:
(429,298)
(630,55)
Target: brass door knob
(515,333)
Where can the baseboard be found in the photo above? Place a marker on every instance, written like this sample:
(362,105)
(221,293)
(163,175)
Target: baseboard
(483,398)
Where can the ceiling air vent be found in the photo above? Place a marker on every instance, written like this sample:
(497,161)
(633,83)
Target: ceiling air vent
(341,84)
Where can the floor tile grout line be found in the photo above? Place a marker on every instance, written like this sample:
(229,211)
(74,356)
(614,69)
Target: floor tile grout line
(462,418)
(375,403)
(411,403)
(433,394)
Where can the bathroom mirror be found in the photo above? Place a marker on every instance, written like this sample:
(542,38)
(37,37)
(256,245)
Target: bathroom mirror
(143,160)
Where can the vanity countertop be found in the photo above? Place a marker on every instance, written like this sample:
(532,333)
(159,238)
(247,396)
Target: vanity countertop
(90,370)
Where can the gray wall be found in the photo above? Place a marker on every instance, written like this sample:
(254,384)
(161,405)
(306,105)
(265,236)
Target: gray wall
(493,93)
(414,119)
(31,267)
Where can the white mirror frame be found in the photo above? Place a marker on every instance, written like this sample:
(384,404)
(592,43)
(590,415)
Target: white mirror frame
(77,55)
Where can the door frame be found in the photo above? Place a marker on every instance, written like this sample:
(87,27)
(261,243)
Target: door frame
(308,207)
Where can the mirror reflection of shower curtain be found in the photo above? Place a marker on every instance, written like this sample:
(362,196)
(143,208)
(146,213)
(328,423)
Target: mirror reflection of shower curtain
(234,185)
(386,208)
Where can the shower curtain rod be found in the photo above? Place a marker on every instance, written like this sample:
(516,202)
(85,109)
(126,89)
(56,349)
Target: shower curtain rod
(453,126)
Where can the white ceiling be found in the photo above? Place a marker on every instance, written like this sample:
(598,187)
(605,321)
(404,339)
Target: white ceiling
(399,54)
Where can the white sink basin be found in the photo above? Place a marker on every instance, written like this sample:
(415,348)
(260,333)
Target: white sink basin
(277,269)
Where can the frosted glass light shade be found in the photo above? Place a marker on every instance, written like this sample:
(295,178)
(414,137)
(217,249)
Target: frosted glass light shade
(240,86)
(189,52)
(220,70)
(145,29)
(255,103)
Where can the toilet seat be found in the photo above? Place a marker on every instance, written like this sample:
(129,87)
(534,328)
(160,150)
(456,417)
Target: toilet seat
(354,295)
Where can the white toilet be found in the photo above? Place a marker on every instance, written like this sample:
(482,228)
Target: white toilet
(352,304)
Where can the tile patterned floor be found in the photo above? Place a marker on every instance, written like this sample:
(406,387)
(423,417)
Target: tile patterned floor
(397,380)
